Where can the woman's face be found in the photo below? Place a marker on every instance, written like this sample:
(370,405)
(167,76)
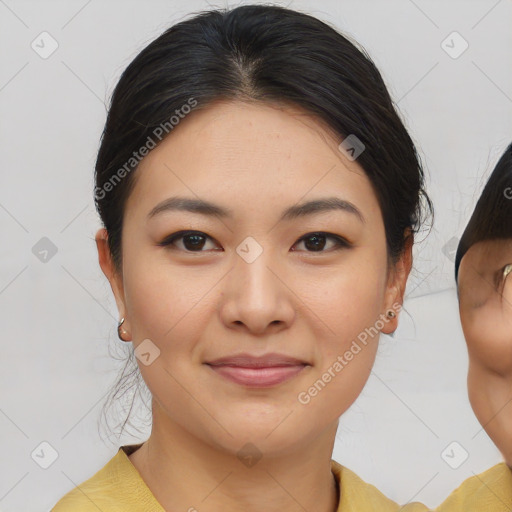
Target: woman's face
(485,305)
(249,282)
(485,302)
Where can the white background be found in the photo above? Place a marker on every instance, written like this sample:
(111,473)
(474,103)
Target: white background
(59,318)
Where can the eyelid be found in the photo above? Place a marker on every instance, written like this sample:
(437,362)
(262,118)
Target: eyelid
(170,239)
(341,242)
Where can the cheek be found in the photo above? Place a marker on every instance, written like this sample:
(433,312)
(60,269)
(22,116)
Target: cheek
(168,307)
(341,374)
(162,299)
(346,301)
(488,335)
(346,340)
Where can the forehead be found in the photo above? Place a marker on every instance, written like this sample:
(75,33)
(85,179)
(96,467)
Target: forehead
(259,154)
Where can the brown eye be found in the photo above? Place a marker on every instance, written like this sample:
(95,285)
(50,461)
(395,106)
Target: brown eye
(194,241)
(191,241)
(316,242)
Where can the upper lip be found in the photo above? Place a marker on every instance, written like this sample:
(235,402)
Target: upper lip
(250,361)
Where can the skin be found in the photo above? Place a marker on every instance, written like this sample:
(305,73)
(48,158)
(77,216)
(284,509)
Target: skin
(485,306)
(197,306)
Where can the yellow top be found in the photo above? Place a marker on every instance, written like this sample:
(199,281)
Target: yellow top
(118,487)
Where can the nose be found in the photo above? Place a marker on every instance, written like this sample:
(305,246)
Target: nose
(257,297)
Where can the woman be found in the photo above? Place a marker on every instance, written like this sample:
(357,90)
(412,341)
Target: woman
(483,265)
(259,196)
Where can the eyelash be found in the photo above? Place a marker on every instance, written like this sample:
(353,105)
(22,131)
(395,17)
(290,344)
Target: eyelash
(341,243)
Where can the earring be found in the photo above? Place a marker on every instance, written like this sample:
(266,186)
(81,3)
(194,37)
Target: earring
(119,330)
(507,270)
(391,314)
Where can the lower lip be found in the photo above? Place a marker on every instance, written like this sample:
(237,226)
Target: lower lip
(258,377)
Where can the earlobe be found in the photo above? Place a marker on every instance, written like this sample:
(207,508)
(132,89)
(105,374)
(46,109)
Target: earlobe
(393,297)
(108,268)
(396,286)
(121,331)
(391,321)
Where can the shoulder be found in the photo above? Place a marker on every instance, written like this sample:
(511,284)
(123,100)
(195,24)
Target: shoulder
(116,487)
(489,491)
(96,493)
(358,495)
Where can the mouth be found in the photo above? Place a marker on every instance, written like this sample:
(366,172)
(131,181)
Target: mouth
(258,371)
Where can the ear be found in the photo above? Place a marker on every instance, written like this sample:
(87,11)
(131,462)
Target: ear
(107,266)
(397,281)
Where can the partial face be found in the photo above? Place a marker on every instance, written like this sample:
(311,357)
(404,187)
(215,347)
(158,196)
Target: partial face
(485,305)
(485,301)
(305,285)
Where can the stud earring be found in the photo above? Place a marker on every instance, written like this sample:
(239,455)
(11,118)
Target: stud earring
(391,314)
(119,330)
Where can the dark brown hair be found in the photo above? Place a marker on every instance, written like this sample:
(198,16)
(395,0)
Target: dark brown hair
(492,216)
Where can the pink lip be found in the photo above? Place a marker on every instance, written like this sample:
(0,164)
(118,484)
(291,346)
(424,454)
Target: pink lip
(258,371)
(258,377)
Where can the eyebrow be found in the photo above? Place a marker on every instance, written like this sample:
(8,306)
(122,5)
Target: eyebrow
(203,207)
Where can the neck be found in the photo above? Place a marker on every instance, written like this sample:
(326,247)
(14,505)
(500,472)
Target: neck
(185,473)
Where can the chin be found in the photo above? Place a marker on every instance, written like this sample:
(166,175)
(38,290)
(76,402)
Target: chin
(263,445)
(269,437)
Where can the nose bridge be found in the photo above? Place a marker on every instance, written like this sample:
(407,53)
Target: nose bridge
(255,296)
(251,270)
